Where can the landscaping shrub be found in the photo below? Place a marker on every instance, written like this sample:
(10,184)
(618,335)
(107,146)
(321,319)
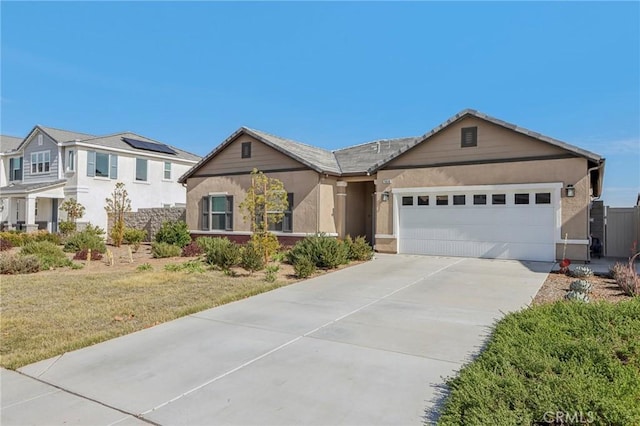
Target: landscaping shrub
(582,272)
(82,255)
(626,278)
(222,253)
(48,253)
(43,235)
(322,251)
(174,232)
(134,237)
(192,249)
(252,258)
(280,256)
(144,267)
(358,249)
(160,250)
(271,273)
(190,267)
(265,243)
(208,243)
(89,238)
(13,263)
(66,227)
(303,267)
(16,238)
(5,244)
(560,357)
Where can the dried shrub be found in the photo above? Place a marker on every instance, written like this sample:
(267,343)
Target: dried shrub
(5,244)
(13,263)
(82,255)
(193,249)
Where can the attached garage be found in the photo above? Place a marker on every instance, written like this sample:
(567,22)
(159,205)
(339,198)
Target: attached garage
(498,221)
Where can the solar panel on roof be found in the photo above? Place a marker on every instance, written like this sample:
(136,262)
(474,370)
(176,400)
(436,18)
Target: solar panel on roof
(149,146)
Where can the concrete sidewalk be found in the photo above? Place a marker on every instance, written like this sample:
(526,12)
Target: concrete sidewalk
(369,344)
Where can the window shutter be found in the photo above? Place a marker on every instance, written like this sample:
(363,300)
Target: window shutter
(205,213)
(113,160)
(11,161)
(229,214)
(19,174)
(91,163)
(287,221)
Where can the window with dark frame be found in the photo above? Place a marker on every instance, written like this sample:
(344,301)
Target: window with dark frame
(469,137)
(286,224)
(15,168)
(521,198)
(459,200)
(423,200)
(407,201)
(480,199)
(141,169)
(543,198)
(217,213)
(442,200)
(498,199)
(246,149)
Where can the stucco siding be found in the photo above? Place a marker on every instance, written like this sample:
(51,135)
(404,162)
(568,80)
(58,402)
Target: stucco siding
(574,211)
(303,185)
(263,157)
(327,210)
(494,142)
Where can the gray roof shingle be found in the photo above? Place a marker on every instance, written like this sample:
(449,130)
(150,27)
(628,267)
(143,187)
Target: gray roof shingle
(9,143)
(358,159)
(30,187)
(115,141)
(60,135)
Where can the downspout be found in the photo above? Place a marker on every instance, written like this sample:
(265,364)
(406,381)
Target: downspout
(318,203)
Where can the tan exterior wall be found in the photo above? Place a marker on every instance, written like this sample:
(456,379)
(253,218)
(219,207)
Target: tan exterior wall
(494,142)
(263,157)
(330,215)
(574,217)
(303,184)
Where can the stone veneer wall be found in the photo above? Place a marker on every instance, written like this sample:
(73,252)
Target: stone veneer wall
(150,219)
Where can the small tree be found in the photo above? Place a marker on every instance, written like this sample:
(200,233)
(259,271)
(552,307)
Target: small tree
(265,204)
(117,205)
(74,211)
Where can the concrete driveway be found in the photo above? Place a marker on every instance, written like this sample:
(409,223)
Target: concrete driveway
(369,344)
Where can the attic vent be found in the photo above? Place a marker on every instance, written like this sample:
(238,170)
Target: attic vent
(469,137)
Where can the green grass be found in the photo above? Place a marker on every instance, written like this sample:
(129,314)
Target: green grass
(563,357)
(47,314)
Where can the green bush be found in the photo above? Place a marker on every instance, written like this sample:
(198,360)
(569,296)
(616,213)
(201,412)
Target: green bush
(66,227)
(190,267)
(85,240)
(265,243)
(144,267)
(560,357)
(323,251)
(252,259)
(174,232)
(134,237)
(43,235)
(271,273)
(222,253)
(304,267)
(358,249)
(48,253)
(13,263)
(16,238)
(160,250)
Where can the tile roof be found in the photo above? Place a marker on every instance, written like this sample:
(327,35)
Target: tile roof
(367,158)
(9,143)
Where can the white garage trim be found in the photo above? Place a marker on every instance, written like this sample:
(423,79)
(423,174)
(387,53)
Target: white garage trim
(475,220)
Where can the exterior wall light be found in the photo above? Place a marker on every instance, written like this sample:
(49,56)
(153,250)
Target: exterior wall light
(570,190)
(385,196)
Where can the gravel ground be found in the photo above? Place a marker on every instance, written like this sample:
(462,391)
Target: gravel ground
(557,285)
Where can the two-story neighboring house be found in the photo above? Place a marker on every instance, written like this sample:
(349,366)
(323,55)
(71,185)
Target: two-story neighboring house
(50,165)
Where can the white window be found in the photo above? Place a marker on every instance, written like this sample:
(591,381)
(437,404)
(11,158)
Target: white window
(167,170)
(40,162)
(71,161)
(141,170)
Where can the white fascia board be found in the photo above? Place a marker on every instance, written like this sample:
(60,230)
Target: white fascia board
(479,188)
(126,151)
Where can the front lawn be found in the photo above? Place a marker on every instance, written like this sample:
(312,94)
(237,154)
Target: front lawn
(52,312)
(560,363)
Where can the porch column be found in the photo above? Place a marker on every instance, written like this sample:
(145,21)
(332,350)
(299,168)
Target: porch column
(30,213)
(341,208)
(7,209)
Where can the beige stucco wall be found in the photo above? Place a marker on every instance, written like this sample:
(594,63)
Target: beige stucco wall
(303,184)
(574,211)
(494,142)
(263,157)
(329,213)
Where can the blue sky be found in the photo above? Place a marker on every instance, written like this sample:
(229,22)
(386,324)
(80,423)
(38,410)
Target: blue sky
(328,74)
